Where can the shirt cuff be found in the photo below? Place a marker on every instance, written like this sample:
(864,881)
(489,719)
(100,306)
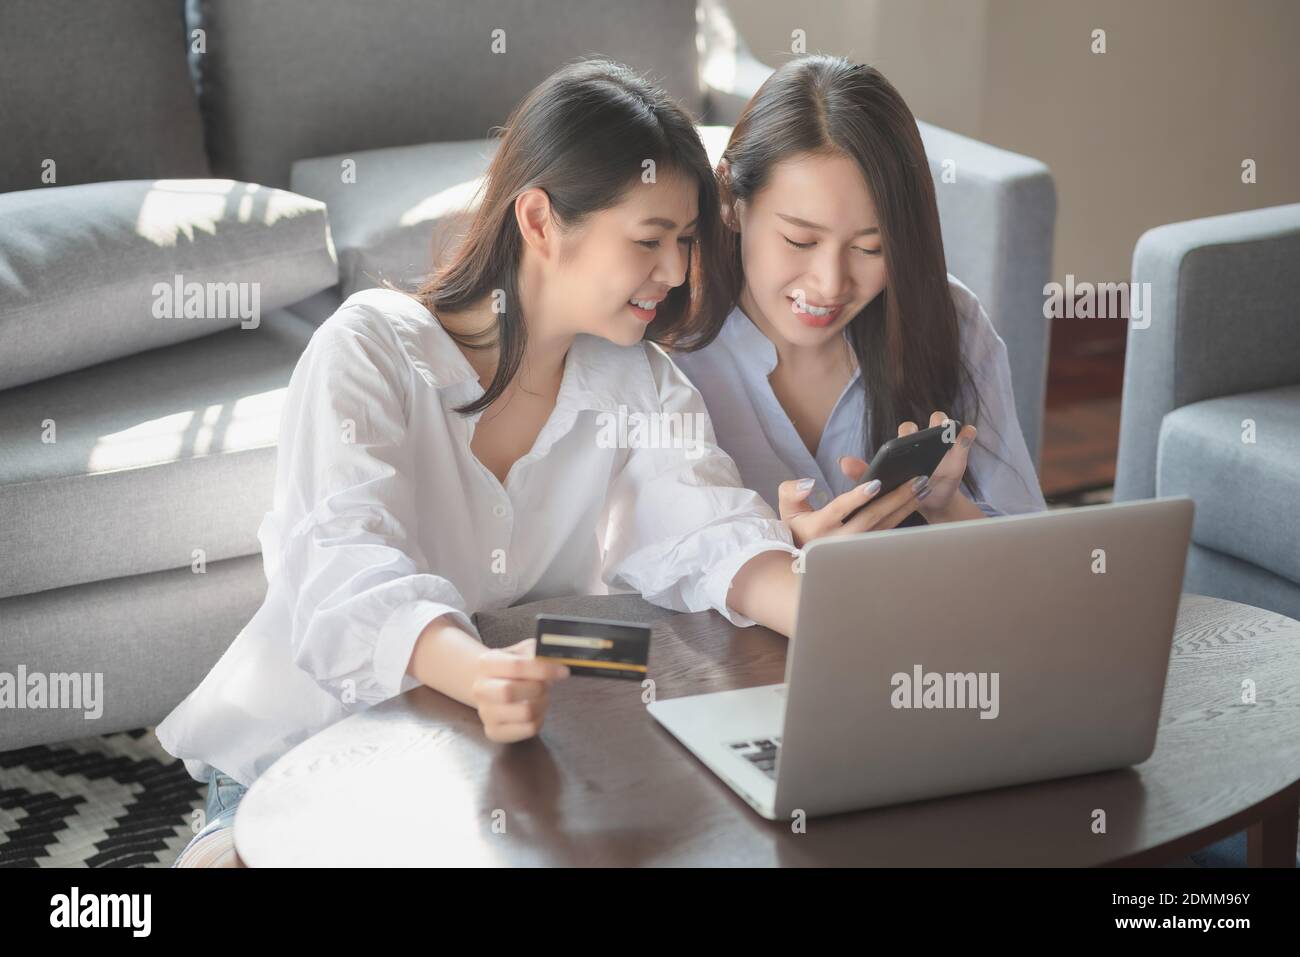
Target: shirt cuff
(718,582)
(397,639)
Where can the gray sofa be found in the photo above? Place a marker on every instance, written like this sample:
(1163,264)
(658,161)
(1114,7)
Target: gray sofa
(1211,404)
(130,529)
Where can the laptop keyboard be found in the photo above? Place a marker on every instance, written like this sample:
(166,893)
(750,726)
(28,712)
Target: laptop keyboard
(760,752)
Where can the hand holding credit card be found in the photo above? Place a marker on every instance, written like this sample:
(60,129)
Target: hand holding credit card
(594,646)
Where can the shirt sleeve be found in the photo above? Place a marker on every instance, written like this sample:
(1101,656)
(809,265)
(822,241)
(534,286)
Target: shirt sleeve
(992,511)
(678,524)
(999,459)
(340,540)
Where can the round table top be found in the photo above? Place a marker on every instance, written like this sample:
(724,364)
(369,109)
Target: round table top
(414,782)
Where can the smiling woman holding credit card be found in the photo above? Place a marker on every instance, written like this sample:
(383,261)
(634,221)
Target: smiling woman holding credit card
(450,450)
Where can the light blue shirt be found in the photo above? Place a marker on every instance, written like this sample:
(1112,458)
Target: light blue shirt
(752,427)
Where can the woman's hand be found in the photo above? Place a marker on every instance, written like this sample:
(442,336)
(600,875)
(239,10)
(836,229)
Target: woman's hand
(943,501)
(807,524)
(511,689)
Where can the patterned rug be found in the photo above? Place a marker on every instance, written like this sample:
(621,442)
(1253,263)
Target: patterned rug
(114,800)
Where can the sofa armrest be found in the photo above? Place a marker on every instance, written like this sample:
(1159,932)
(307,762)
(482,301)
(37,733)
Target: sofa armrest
(998,213)
(1221,303)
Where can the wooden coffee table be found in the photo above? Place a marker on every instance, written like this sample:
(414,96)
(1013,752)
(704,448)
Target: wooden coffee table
(413,781)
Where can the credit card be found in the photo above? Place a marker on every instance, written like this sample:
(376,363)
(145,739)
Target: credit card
(595,647)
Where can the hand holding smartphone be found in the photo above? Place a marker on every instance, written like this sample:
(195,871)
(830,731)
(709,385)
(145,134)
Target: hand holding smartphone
(908,456)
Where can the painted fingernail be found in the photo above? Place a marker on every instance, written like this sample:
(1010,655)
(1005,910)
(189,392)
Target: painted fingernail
(924,492)
(966,441)
(920,482)
(871,488)
(805,484)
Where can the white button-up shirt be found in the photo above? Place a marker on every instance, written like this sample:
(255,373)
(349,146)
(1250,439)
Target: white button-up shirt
(754,429)
(383,519)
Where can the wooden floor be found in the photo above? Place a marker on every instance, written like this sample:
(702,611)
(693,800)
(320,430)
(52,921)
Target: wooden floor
(1085,378)
(1079,445)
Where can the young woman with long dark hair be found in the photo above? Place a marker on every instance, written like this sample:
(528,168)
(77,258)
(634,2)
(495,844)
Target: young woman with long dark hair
(844,327)
(444,451)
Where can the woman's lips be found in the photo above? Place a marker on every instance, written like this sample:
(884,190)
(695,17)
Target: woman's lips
(645,315)
(817,322)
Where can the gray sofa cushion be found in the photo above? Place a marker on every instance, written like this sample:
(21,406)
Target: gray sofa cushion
(88,273)
(1246,494)
(293,79)
(101,88)
(153,637)
(399,215)
(155,455)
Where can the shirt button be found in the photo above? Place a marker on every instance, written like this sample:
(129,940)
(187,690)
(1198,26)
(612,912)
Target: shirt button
(499,511)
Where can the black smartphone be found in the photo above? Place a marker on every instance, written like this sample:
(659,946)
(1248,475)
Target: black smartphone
(907,456)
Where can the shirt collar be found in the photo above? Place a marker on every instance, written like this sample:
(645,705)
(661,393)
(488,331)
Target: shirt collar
(747,341)
(426,343)
(603,376)
(598,374)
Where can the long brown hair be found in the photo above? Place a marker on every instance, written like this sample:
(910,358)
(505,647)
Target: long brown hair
(584,136)
(906,340)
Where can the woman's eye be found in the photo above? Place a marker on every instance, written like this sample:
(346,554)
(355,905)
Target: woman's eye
(654,243)
(808,245)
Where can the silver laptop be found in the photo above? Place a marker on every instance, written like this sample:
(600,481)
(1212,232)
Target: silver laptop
(941,659)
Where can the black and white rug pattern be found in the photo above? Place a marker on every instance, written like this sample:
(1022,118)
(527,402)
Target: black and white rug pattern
(114,800)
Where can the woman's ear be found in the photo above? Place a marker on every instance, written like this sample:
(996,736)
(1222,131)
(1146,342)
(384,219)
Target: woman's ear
(533,216)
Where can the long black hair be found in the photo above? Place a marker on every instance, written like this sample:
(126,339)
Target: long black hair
(906,340)
(584,136)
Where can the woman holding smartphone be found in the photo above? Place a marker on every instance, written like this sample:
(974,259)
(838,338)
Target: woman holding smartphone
(441,452)
(845,327)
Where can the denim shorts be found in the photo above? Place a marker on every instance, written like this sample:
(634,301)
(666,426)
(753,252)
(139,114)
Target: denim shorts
(1229,852)
(224,795)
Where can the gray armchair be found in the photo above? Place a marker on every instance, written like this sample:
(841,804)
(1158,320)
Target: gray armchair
(1211,404)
